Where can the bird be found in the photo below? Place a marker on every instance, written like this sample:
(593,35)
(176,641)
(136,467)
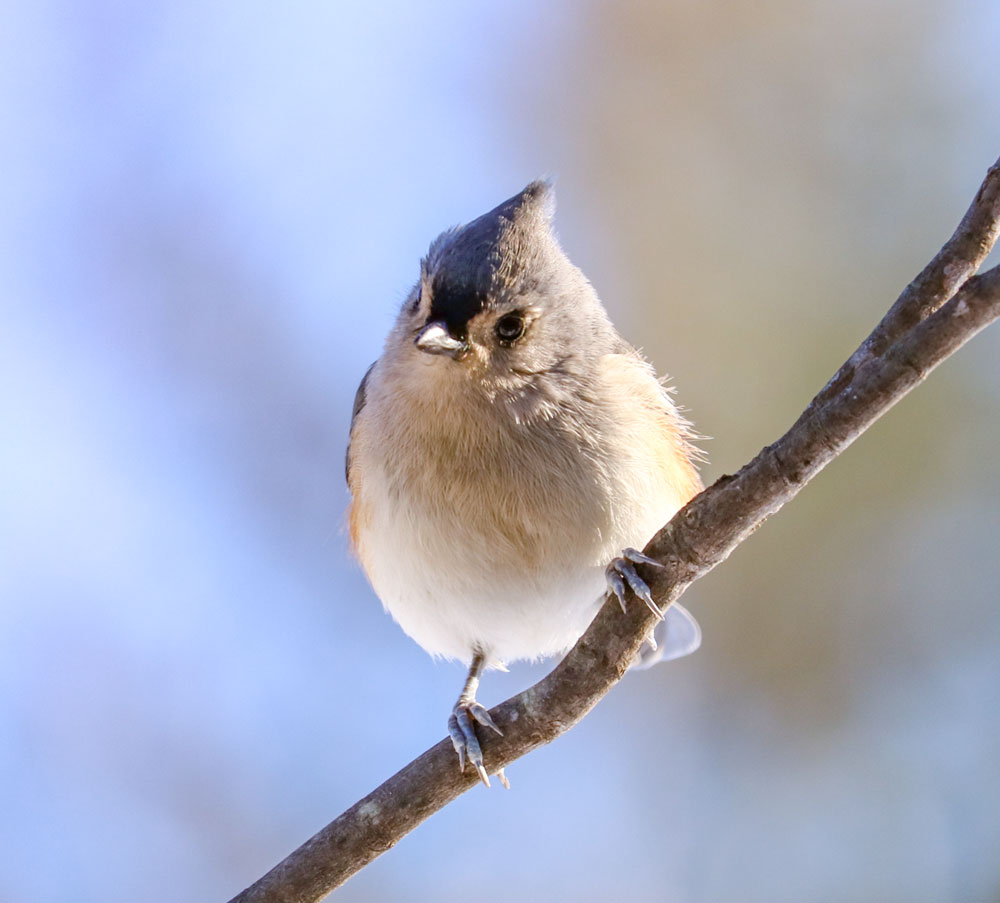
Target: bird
(509,452)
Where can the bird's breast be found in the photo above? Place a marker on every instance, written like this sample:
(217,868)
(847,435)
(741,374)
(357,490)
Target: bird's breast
(503,493)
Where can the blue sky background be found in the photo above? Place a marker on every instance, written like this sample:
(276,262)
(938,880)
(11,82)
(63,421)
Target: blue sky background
(208,215)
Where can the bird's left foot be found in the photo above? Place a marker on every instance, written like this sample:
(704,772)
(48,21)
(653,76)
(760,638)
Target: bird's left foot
(462,728)
(622,571)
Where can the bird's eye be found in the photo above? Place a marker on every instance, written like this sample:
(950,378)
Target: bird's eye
(510,328)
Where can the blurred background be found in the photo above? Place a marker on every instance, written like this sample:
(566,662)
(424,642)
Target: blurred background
(209,213)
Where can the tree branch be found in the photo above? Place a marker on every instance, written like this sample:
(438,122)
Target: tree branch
(937,313)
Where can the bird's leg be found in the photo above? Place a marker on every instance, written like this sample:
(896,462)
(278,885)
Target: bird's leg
(621,571)
(462,723)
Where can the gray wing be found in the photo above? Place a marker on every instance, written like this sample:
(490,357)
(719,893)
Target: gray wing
(359,403)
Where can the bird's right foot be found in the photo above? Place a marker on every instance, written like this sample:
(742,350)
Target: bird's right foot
(462,728)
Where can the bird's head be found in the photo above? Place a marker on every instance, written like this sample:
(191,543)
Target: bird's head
(498,303)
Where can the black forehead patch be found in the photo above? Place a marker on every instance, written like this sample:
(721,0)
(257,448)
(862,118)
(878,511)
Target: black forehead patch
(455,306)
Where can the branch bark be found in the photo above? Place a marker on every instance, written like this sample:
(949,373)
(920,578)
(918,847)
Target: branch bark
(937,313)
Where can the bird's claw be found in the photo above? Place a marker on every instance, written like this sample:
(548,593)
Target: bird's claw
(462,729)
(621,571)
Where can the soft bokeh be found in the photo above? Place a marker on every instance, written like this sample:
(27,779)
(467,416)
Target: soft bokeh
(209,213)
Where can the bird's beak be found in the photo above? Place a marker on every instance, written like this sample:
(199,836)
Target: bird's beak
(434,338)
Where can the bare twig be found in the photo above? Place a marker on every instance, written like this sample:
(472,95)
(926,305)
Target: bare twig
(934,316)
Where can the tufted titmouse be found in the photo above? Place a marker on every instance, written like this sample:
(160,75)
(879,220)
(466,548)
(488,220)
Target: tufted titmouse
(506,445)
